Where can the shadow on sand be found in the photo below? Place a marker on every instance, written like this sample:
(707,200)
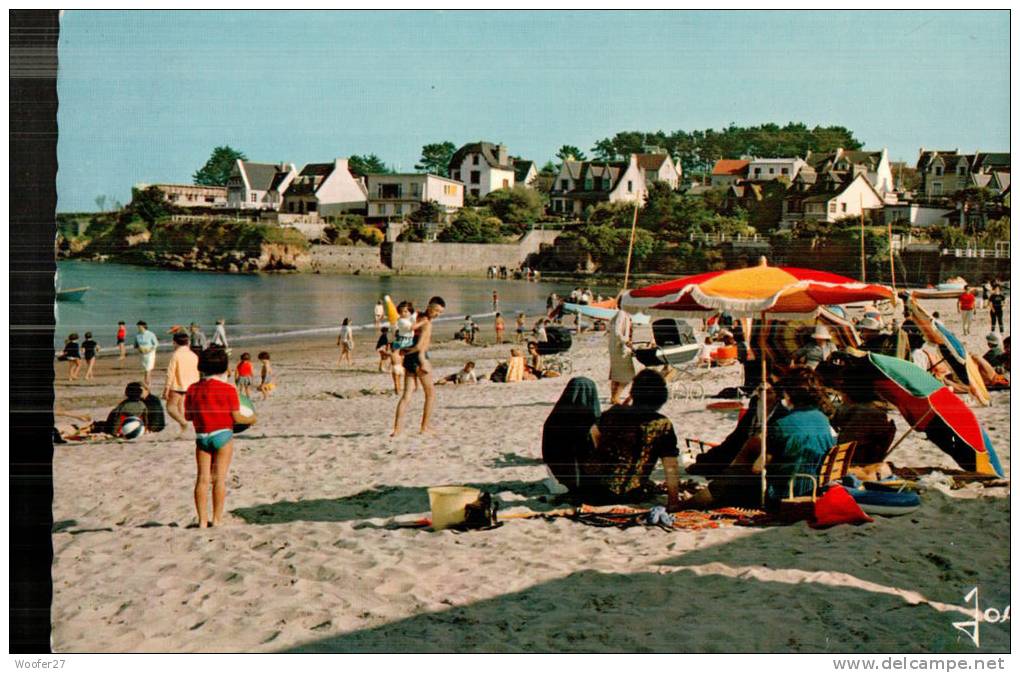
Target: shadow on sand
(681,611)
(380,502)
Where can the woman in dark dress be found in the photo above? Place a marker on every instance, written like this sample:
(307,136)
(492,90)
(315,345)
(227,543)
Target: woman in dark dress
(567,433)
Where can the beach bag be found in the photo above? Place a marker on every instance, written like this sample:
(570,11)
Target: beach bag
(837,506)
(480,514)
(155,419)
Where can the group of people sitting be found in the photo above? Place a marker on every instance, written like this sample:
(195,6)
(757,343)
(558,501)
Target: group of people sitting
(609,457)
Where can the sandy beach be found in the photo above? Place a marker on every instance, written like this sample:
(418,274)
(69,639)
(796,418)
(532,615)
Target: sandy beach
(306,561)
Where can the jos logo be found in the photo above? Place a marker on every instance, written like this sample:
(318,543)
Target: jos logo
(990,615)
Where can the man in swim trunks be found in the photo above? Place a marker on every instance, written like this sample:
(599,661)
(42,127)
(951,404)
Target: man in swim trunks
(213,406)
(146,344)
(181,373)
(417,367)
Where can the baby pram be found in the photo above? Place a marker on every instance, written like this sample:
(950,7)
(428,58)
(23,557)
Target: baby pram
(555,350)
(676,350)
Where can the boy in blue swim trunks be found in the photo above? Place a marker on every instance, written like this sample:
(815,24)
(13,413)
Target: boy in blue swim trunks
(213,406)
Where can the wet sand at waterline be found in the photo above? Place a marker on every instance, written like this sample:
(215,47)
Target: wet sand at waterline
(305,562)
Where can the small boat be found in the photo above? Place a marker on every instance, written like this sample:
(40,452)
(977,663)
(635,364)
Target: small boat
(73,294)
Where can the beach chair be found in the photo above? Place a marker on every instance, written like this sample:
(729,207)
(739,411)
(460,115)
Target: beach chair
(834,467)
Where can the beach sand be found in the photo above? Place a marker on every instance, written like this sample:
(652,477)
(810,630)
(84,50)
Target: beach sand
(304,561)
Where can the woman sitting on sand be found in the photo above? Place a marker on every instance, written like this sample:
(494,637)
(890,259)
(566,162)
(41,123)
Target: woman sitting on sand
(630,441)
(567,435)
(799,436)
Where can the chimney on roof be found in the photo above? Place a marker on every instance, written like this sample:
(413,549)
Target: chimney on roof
(501,155)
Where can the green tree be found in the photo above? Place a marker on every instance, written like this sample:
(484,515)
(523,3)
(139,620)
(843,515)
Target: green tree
(435,158)
(363,165)
(472,226)
(659,211)
(149,204)
(549,169)
(430,211)
(217,169)
(101,203)
(516,205)
(570,153)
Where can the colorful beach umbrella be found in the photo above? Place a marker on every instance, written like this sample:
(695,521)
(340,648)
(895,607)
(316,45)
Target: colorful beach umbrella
(932,408)
(782,292)
(953,352)
(763,290)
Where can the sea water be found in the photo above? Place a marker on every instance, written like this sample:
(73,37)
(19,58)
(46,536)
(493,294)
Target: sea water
(269,305)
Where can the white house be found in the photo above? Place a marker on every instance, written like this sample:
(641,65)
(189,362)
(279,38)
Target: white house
(773,168)
(830,203)
(914,214)
(525,171)
(659,167)
(726,172)
(324,190)
(597,182)
(254,186)
(191,196)
(873,164)
(482,167)
(399,195)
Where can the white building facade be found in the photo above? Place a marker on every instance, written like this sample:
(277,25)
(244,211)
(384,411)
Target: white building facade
(399,195)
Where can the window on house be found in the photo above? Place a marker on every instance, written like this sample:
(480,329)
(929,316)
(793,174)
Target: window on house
(757,172)
(474,160)
(938,171)
(564,185)
(290,207)
(312,206)
(254,198)
(382,208)
(456,175)
(588,184)
(475,192)
(476,177)
(212,199)
(936,188)
(506,184)
(832,207)
(843,206)
(772,171)
(630,185)
(962,170)
(415,189)
(398,209)
(392,190)
(785,171)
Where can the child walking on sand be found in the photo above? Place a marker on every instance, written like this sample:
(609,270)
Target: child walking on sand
(213,406)
(89,348)
(382,346)
(266,385)
(244,374)
(122,338)
(346,343)
(72,355)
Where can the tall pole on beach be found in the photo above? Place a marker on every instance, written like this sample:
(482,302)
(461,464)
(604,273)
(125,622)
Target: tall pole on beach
(864,273)
(892,261)
(630,249)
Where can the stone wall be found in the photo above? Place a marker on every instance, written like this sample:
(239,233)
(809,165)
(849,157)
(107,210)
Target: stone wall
(466,258)
(345,259)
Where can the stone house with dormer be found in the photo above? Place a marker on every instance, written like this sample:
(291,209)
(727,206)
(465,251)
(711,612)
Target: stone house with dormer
(580,184)
(829,196)
(945,172)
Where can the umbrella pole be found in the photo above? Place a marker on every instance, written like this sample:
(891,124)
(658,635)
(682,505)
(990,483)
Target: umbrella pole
(907,433)
(630,248)
(763,403)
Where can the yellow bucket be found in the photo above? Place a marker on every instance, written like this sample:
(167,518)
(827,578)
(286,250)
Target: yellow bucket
(447,503)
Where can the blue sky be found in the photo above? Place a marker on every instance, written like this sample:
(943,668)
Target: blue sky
(145,96)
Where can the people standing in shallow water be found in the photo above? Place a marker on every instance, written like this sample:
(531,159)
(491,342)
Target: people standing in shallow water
(417,367)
